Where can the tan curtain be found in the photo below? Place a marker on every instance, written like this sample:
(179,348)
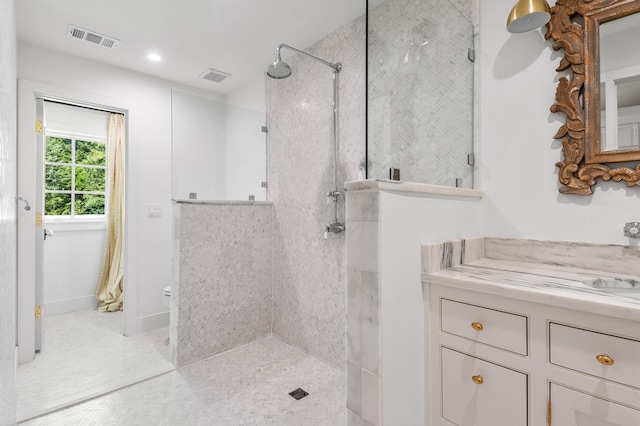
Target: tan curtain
(109,292)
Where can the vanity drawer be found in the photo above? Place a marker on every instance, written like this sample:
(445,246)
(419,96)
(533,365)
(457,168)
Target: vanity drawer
(589,352)
(489,326)
(477,392)
(572,408)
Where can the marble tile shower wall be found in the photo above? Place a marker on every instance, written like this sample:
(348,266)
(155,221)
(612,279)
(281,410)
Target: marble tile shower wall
(224,278)
(309,271)
(419,80)
(7,212)
(364,372)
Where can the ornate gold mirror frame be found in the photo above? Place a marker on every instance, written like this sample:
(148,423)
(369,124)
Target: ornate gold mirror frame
(574,27)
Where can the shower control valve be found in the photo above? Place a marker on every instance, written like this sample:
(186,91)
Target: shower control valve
(632,229)
(333,228)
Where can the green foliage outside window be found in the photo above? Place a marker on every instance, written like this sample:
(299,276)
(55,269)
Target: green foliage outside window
(75,177)
(89,204)
(58,150)
(90,153)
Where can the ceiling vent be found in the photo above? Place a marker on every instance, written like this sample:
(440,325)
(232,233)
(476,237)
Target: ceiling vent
(214,75)
(92,37)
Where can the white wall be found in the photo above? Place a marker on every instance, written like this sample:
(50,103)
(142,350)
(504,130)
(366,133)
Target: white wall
(407,222)
(251,95)
(150,145)
(7,213)
(517,152)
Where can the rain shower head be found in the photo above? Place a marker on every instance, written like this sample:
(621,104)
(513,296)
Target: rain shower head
(278,69)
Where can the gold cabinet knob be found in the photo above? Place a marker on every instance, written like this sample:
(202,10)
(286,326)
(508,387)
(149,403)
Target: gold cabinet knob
(478,380)
(604,359)
(477,326)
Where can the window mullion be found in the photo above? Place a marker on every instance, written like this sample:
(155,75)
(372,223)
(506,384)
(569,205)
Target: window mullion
(73,177)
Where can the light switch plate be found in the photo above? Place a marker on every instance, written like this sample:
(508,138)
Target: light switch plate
(154,210)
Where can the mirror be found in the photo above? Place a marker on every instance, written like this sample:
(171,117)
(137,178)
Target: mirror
(601,93)
(620,84)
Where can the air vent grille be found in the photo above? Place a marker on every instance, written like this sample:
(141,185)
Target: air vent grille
(214,75)
(92,36)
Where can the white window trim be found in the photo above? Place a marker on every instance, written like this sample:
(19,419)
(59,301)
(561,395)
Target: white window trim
(86,219)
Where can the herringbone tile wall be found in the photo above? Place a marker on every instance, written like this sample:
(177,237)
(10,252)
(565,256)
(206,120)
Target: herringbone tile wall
(309,271)
(421,91)
(225,273)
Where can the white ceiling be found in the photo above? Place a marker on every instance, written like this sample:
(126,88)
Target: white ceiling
(235,36)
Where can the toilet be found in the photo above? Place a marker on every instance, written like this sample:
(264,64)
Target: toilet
(167,296)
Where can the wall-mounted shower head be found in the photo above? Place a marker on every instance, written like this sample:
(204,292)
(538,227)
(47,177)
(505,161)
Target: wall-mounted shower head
(279,69)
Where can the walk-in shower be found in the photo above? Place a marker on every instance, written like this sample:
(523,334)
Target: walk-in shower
(279,70)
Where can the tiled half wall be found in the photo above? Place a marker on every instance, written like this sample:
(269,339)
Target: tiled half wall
(221,292)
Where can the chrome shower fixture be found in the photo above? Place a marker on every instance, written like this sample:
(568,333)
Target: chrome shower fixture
(280,69)
(27,206)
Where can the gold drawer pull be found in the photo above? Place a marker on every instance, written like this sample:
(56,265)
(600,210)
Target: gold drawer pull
(478,380)
(605,359)
(477,326)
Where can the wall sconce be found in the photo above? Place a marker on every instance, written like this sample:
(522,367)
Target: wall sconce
(528,15)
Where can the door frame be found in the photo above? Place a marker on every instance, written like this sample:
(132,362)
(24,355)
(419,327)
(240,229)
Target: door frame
(28,91)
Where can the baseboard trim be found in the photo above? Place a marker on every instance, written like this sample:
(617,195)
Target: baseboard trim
(152,322)
(69,305)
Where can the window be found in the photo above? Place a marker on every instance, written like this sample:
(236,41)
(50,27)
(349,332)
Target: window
(75,173)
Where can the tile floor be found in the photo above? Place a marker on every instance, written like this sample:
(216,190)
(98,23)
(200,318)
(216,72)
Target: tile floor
(84,354)
(248,385)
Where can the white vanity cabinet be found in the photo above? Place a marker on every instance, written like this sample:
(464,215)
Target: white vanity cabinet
(480,392)
(574,408)
(506,361)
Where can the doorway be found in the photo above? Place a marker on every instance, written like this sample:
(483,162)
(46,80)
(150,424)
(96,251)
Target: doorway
(74,189)
(31,171)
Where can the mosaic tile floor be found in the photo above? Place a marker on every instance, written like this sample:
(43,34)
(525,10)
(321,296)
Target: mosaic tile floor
(248,385)
(84,354)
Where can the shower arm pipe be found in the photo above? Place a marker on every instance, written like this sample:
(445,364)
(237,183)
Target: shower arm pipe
(334,193)
(336,140)
(336,226)
(336,67)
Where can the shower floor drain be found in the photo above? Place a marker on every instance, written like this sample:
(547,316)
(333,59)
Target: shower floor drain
(299,393)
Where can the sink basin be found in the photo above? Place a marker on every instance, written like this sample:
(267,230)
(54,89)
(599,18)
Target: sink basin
(622,286)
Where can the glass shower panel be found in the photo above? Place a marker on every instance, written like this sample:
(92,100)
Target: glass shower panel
(218,150)
(420,91)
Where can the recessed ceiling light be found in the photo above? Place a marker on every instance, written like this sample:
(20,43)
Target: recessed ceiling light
(154,57)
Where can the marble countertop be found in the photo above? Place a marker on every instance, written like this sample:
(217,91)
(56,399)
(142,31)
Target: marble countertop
(555,285)
(410,187)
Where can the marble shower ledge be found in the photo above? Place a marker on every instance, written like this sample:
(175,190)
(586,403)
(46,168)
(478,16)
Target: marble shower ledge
(410,187)
(553,285)
(225,202)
